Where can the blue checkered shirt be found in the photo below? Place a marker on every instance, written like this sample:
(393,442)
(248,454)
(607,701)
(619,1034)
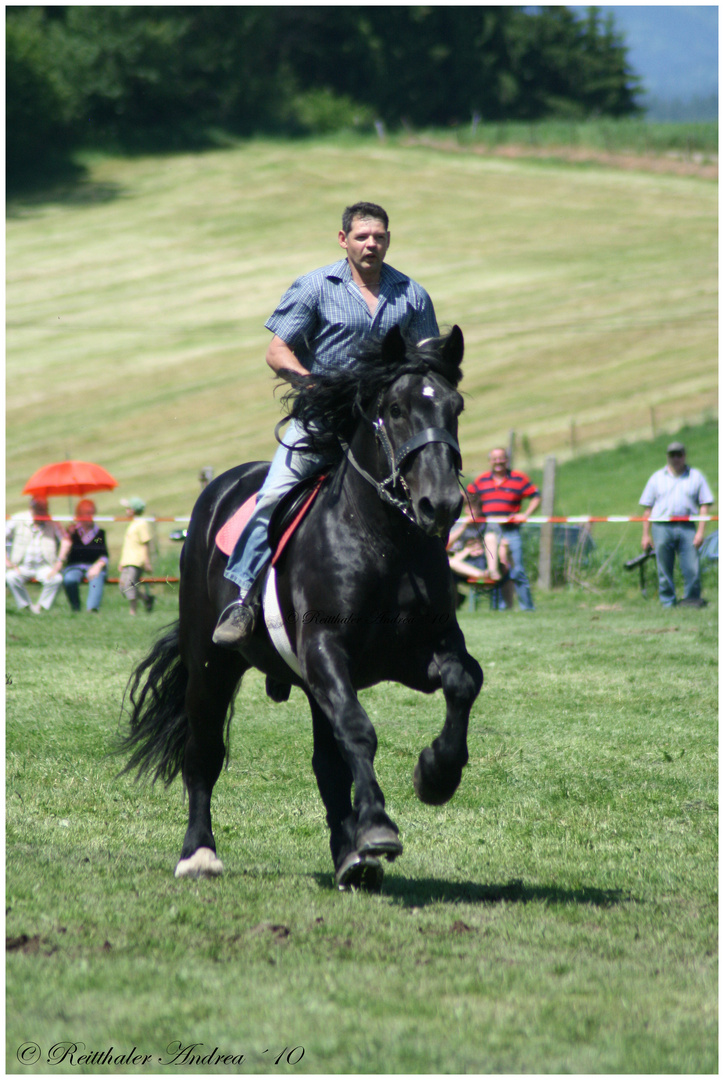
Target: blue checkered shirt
(323,315)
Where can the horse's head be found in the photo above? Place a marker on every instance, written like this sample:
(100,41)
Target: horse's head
(415,420)
(406,445)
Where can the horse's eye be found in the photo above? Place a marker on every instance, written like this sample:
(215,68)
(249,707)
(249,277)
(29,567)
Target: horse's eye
(395,410)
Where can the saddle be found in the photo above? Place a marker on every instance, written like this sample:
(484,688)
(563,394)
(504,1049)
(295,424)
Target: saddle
(286,518)
(291,511)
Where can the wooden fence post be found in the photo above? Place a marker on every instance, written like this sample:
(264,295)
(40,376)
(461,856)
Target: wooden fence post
(511,447)
(548,496)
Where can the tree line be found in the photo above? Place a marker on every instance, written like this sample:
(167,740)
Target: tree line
(142,77)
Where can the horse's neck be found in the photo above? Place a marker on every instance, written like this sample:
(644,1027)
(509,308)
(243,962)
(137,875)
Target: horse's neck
(368,452)
(366,448)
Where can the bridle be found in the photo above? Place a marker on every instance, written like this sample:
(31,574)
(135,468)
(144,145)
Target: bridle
(395,459)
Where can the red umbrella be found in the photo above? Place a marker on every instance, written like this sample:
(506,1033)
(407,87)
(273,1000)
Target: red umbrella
(69,478)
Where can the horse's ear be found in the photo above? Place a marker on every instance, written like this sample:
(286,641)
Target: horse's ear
(393,347)
(452,354)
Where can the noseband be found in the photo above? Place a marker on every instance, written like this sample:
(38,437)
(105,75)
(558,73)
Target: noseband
(384,488)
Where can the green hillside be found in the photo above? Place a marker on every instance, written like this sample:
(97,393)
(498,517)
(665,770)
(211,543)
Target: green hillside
(611,481)
(136,303)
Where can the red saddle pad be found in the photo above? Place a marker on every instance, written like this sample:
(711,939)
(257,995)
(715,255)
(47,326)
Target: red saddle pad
(229,533)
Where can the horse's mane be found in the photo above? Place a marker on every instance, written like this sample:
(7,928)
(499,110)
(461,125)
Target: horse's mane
(329,405)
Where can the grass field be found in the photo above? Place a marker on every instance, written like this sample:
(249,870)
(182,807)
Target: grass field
(559,915)
(136,302)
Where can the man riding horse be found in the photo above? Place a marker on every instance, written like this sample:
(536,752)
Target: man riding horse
(318,326)
(368,559)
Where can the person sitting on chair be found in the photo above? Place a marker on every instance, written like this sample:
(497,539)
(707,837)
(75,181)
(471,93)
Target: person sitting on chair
(496,551)
(320,321)
(85,554)
(476,557)
(34,541)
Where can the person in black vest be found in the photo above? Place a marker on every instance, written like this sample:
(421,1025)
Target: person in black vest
(84,554)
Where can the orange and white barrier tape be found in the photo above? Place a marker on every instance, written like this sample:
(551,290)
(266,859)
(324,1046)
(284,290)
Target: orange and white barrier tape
(499,519)
(584,519)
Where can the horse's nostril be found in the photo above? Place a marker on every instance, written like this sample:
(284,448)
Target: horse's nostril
(426,509)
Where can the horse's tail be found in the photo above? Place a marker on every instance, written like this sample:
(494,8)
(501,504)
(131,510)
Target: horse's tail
(158,721)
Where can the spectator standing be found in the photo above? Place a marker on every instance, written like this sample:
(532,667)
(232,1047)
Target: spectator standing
(136,556)
(85,554)
(501,491)
(677,490)
(33,541)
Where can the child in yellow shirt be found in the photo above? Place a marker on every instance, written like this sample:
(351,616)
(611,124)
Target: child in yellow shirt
(136,555)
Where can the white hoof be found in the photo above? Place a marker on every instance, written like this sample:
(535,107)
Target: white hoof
(203,863)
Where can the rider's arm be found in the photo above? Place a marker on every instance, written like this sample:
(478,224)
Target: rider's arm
(280,358)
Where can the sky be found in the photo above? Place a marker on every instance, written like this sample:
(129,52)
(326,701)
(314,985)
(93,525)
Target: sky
(673,48)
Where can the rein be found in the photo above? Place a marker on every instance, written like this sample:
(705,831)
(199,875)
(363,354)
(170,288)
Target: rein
(395,460)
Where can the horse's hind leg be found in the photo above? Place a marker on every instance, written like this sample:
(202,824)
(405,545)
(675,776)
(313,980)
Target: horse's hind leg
(440,766)
(210,690)
(334,779)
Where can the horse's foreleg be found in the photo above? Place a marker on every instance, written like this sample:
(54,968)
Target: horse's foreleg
(440,766)
(370,831)
(208,697)
(334,780)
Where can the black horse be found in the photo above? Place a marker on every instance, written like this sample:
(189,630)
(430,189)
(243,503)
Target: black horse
(365,595)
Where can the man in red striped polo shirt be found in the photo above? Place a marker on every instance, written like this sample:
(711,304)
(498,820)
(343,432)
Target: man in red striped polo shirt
(501,491)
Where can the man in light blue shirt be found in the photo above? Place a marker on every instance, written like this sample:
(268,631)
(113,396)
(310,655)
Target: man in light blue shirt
(677,490)
(317,326)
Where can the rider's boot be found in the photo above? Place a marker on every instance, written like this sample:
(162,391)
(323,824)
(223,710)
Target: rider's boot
(236,623)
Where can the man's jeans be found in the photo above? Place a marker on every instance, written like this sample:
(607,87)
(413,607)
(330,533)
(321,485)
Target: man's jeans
(288,467)
(670,540)
(511,533)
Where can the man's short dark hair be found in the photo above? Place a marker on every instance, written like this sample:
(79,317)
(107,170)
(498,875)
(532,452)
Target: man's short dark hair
(364,210)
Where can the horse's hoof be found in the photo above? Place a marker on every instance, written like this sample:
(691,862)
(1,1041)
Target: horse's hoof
(380,840)
(203,863)
(359,872)
(434,794)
